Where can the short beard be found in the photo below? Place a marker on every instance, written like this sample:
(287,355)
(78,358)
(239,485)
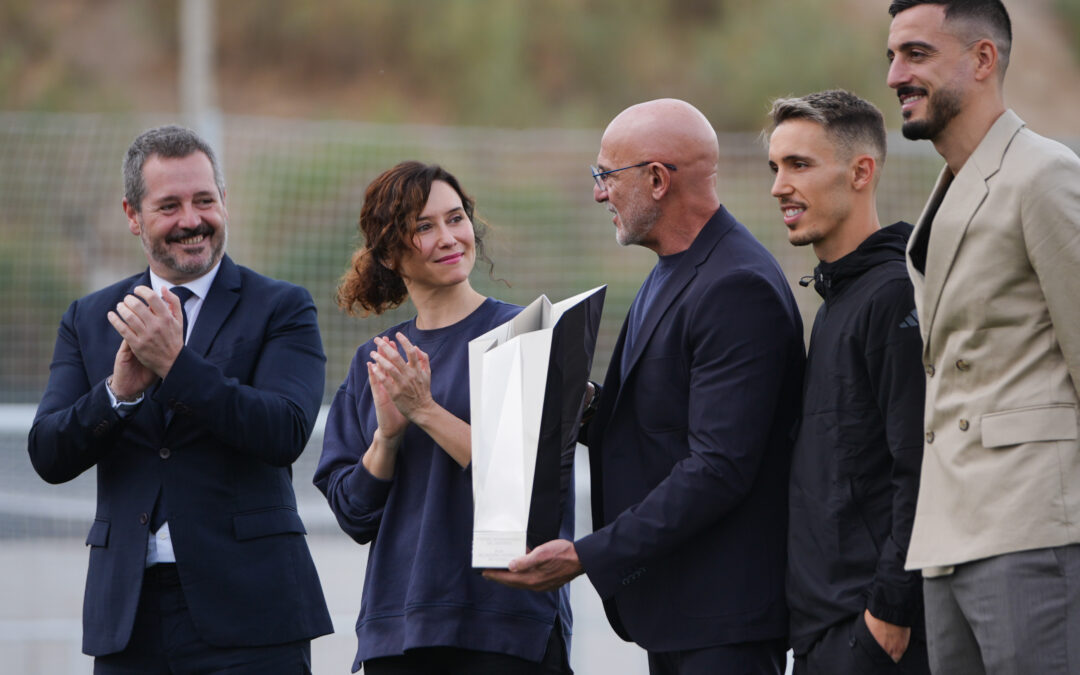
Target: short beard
(193,268)
(637,223)
(942,107)
(806,238)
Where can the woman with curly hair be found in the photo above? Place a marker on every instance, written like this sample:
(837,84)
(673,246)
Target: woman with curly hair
(397,449)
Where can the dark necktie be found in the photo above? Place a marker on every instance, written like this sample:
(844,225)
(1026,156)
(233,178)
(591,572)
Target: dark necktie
(158,517)
(184,294)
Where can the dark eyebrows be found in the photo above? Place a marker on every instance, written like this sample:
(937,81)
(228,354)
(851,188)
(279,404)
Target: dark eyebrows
(177,198)
(421,218)
(917,44)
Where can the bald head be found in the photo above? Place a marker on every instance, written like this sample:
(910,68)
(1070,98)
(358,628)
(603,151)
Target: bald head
(665,130)
(660,160)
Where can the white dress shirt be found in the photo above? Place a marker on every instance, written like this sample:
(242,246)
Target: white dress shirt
(159,548)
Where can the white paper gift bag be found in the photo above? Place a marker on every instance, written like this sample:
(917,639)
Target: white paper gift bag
(527,379)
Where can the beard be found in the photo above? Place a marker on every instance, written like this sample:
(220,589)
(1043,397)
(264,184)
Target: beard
(637,219)
(190,266)
(941,107)
(804,237)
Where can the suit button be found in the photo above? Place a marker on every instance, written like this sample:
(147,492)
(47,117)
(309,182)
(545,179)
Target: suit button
(964,425)
(929,436)
(143,519)
(930,369)
(963,366)
(164,453)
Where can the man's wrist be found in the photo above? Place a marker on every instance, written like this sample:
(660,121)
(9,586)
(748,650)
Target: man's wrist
(121,400)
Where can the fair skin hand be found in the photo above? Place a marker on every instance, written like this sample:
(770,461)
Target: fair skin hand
(892,638)
(546,568)
(381,457)
(407,384)
(152,327)
(129,377)
(590,394)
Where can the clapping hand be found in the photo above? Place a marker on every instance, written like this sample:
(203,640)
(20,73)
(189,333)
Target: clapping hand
(152,330)
(406,381)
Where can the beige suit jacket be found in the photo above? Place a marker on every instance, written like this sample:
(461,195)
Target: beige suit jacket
(999,310)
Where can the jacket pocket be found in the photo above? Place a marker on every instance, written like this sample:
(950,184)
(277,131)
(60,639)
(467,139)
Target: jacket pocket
(280,520)
(99,533)
(1056,422)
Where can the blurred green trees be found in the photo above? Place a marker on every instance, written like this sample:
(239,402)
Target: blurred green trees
(506,63)
(502,63)
(1070,14)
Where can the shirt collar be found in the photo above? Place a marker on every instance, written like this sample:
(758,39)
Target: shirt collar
(200,287)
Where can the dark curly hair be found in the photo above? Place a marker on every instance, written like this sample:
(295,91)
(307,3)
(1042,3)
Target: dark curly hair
(392,203)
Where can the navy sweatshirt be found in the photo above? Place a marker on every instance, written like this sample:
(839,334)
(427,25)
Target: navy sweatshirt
(420,589)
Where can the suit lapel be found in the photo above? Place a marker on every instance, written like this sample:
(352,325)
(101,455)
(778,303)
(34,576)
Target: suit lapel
(918,279)
(706,240)
(961,199)
(959,204)
(219,303)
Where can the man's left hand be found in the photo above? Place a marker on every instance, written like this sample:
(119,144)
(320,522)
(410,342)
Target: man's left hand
(545,568)
(892,638)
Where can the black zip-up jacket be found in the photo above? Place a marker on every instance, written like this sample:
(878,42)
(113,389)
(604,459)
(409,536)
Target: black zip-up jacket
(855,466)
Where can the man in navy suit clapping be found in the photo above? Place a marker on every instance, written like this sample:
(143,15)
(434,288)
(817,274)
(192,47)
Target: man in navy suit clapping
(192,387)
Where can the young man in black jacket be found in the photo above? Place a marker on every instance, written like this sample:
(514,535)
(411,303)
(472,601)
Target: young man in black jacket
(855,465)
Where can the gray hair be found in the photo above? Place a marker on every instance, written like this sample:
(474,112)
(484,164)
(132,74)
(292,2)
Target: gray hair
(170,141)
(853,123)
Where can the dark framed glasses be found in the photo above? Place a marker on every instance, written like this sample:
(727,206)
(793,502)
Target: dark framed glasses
(598,175)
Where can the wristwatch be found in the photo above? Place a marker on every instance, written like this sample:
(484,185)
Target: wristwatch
(122,406)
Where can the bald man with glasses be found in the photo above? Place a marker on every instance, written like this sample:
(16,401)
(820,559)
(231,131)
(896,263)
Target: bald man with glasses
(691,437)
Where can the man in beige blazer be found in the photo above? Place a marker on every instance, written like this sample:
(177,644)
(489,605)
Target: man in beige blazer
(995,260)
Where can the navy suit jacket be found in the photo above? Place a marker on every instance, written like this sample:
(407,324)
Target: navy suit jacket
(243,394)
(690,449)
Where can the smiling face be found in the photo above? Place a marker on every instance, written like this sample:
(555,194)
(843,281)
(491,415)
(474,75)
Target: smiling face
(182,221)
(812,182)
(443,244)
(930,69)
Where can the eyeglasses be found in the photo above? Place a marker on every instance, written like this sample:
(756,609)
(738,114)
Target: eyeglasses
(598,175)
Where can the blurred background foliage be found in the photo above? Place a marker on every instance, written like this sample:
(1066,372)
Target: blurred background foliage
(317,97)
(502,63)
(511,95)
(1070,16)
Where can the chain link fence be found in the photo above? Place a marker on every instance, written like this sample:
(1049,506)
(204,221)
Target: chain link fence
(294,191)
